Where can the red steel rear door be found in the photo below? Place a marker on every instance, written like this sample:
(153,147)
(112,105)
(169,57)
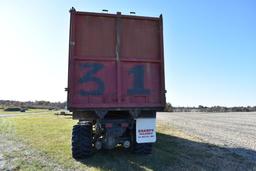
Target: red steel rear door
(115,61)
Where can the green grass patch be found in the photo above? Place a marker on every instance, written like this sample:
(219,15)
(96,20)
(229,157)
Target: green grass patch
(51,135)
(6,127)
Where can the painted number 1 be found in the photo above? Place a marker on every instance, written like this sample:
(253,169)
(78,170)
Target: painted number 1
(138,87)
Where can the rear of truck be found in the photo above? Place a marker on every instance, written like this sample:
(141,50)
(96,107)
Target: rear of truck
(115,81)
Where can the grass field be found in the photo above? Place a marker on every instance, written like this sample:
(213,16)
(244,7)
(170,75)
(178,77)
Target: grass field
(43,143)
(50,135)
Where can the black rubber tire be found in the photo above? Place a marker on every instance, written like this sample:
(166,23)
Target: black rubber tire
(81,141)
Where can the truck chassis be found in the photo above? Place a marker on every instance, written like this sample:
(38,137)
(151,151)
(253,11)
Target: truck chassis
(98,130)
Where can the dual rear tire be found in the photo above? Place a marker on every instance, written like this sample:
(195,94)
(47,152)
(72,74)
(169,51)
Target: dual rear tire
(81,141)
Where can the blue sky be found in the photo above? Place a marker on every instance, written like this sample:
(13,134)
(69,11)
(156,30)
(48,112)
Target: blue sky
(210,48)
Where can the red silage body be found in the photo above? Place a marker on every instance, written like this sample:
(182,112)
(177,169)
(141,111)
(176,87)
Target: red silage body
(115,62)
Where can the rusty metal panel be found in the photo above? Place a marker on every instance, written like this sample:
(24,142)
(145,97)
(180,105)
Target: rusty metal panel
(115,61)
(140,39)
(94,37)
(141,83)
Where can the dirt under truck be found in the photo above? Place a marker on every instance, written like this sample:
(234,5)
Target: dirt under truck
(115,81)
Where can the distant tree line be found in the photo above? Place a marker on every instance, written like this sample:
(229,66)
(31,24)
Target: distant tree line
(33,104)
(200,108)
(168,108)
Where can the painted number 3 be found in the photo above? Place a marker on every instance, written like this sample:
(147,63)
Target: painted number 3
(89,77)
(137,85)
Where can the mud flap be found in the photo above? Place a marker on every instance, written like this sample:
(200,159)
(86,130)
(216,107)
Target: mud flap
(146,130)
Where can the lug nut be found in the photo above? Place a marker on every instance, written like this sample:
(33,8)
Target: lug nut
(126,144)
(98,145)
